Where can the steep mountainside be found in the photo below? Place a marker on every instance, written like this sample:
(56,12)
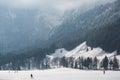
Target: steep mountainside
(99,26)
(24,28)
(36,33)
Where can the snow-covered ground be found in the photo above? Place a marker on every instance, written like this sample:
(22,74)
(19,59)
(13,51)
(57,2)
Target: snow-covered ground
(60,74)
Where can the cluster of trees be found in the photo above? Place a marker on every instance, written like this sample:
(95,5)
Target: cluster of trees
(107,63)
(110,64)
(83,63)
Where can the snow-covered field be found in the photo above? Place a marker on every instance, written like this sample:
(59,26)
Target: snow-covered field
(60,74)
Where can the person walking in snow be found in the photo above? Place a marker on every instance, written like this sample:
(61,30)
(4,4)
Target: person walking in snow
(104,71)
(31,76)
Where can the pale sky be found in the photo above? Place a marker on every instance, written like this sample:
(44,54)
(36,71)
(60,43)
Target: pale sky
(58,4)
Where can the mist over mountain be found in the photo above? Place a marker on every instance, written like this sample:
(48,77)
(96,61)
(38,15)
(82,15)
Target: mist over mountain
(99,26)
(25,28)
(30,24)
(38,24)
(32,29)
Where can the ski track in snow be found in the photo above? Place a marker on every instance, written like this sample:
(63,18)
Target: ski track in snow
(60,74)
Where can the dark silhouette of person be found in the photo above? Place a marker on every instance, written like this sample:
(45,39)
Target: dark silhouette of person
(103,71)
(31,75)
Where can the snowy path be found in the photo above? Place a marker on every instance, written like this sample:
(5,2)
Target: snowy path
(60,74)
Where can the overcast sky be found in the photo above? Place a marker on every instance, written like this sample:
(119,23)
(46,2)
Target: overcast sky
(58,4)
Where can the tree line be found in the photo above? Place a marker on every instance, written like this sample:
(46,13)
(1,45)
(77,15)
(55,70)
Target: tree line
(70,62)
(83,63)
